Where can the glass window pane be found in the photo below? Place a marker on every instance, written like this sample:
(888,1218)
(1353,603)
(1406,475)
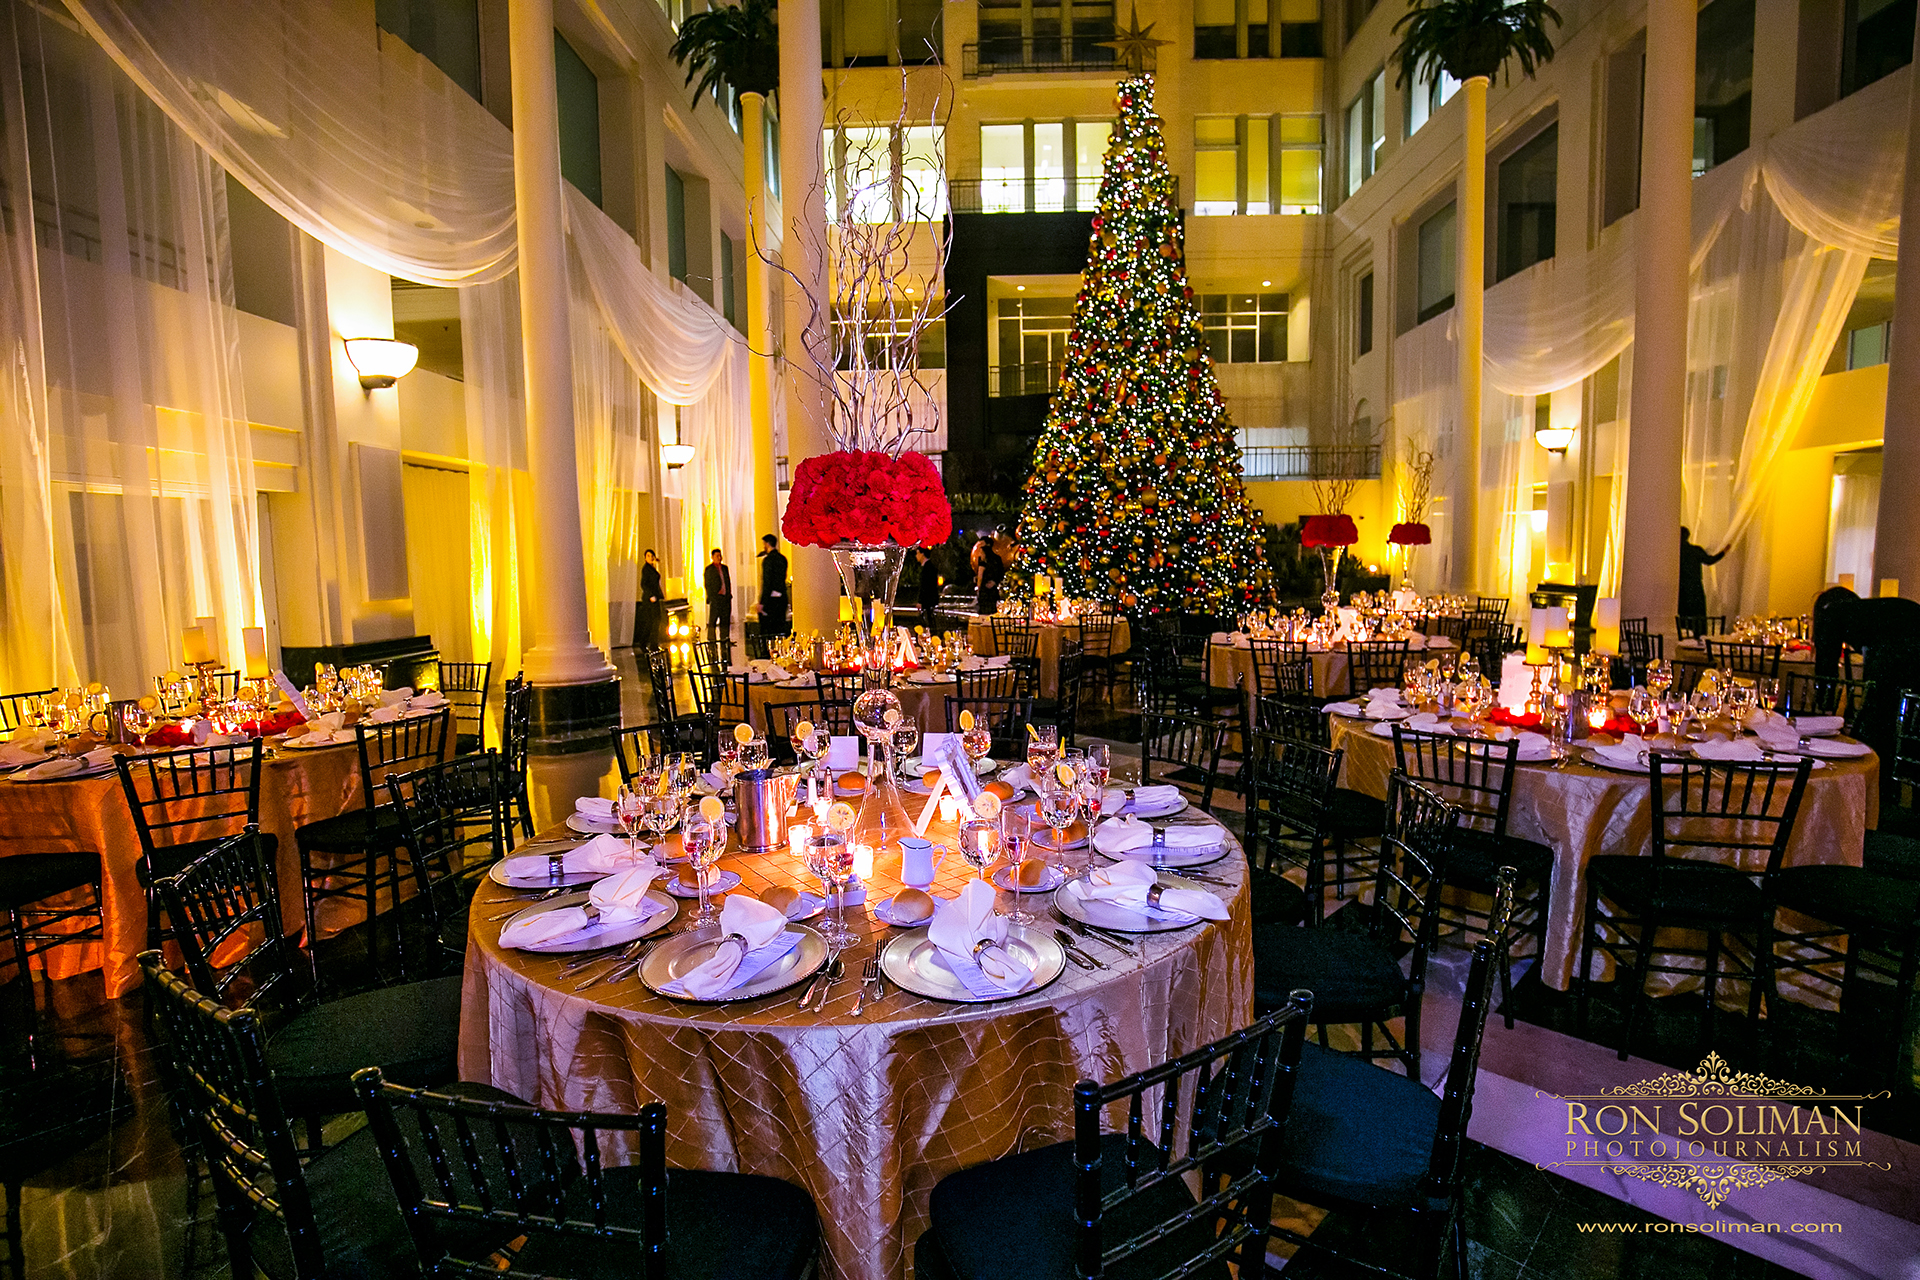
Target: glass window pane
(923,182)
(867,174)
(1216,182)
(1273,337)
(1436,268)
(1049,167)
(1090,138)
(1003,168)
(1377,121)
(1213,13)
(1299,182)
(1299,10)
(1300,129)
(1214,131)
(1240,346)
(1217,346)
(1525,187)
(1356,149)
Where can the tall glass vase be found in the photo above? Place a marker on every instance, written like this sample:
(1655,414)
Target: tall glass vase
(1330,597)
(871,574)
(882,819)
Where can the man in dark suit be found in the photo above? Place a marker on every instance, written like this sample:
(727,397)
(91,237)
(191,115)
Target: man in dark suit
(775,603)
(929,586)
(719,598)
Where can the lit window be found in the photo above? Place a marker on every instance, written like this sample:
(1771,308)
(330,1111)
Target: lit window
(1236,160)
(1366,131)
(1435,273)
(1426,97)
(1068,157)
(1245,328)
(1299,149)
(883,173)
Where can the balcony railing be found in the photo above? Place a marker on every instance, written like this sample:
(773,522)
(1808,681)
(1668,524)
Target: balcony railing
(1311,462)
(1038,378)
(1018,55)
(1017,195)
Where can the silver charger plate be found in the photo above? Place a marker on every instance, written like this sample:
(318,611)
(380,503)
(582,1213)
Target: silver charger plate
(81,776)
(716,883)
(914,964)
(685,952)
(1173,856)
(596,936)
(1109,915)
(1158,811)
(577,821)
(497,872)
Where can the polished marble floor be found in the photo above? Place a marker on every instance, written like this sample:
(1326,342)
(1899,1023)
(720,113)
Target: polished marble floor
(86,1143)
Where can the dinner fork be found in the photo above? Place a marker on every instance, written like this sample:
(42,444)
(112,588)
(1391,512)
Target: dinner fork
(869,977)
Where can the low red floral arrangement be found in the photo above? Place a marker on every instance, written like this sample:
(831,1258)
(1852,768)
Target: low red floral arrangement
(1410,535)
(867,497)
(1329,531)
(1514,719)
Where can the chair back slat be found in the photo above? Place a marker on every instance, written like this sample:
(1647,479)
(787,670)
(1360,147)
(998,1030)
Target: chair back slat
(1185,751)
(454,820)
(1407,886)
(1281,667)
(466,685)
(1745,657)
(659,665)
(1291,715)
(1289,787)
(13,710)
(483,1155)
(195,793)
(721,696)
(225,910)
(988,682)
(1475,775)
(1221,1111)
(1372,663)
(1733,812)
(1809,695)
(1015,637)
(396,747)
(220,1077)
(693,735)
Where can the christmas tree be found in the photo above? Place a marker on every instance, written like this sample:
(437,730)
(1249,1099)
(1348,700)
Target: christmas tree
(1136,494)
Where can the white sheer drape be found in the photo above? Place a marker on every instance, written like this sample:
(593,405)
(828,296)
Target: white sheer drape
(1426,410)
(611,439)
(149,466)
(498,510)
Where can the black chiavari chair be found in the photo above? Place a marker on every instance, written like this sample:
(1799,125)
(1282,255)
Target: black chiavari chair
(1713,821)
(14,708)
(693,735)
(1281,667)
(466,685)
(1372,664)
(1289,793)
(454,818)
(516,746)
(1185,751)
(720,696)
(185,802)
(1744,658)
(1700,626)
(1121,1204)
(1006,718)
(660,677)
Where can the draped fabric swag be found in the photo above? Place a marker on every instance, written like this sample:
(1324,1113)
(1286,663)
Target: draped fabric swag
(1781,239)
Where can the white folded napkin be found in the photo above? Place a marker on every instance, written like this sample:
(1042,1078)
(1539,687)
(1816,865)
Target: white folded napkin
(66,766)
(1433,642)
(766,939)
(1626,752)
(386,713)
(1126,834)
(603,855)
(599,808)
(1427,722)
(1385,709)
(394,697)
(1533,746)
(1127,884)
(427,701)
(1811,725)
(1834,749)
(16,753)
(1220,637)
(1740,750)
(1343,709)
(1152,799)
(1020,778)
(770,669)
(968,920)
(621,897)
(548,926)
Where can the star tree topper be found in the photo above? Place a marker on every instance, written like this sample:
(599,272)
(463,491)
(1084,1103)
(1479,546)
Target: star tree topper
(1135,44)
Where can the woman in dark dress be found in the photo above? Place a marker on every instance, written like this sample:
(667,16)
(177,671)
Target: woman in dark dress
(992,571)
(650,610)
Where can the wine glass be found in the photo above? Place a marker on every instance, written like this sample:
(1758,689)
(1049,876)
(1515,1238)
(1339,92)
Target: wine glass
(753,753)
(976,738)
(1043,748)
(666,805)
(703,846)
(980,844)
(1739,705)
(1094,772)
(830,857)
(1660,676)
(629,812)
(1016,838)
(1768,692)
(1642,708)
(906,740)
(1059,807)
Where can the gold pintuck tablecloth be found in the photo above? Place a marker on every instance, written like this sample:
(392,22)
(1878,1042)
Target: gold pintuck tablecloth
(980,640)
(866,1113)
(1580,811)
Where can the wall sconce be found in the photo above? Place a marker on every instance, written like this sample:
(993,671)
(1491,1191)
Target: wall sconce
(1553,439)
(676,456)
(381,362)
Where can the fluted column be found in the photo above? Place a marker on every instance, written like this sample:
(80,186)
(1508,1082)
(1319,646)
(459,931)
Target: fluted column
(1896,537)
(816,600)
(1663,242)
(562,653)
(1469,292)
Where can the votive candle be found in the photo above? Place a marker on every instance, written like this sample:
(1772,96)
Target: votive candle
(254,639)
(949,809)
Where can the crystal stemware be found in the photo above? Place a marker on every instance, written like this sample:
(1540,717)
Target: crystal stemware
(1016,838)
(703,847)
(980,844)
(830,856)
(1043,748)
(1059,807)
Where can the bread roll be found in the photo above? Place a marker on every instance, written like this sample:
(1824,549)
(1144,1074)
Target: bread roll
(781,898)
(914,906)
(688,875)
(854,783)
(1031,873)
(1075,833)
(1002,789)
(930,779)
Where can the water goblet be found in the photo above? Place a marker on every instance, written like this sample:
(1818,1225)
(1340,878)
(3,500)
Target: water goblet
(1016,838)
(980,844)
(629,813)
(906,740)
(1660,676)
(1043,748)
(976,738)
(1094,774)
(1642,708)
(703,846)
(830,857)
(1059,807)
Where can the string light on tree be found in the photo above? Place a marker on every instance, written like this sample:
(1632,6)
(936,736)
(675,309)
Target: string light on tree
(1137,493)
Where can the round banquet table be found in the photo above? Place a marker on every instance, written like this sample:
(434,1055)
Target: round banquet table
(91,814)
(980,640)
(923,703)
(1582,810)
(1231,658)
(866,1113)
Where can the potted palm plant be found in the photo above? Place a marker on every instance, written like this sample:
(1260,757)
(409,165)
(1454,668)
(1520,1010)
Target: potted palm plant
(1471,40)
(733,46)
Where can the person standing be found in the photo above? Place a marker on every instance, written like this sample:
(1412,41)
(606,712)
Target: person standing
(650,610)
(775,604)
(929,587)
(993,570)
(1693,586)
(719,598)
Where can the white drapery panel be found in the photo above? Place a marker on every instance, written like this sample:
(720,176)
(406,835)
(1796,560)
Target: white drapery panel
(611,407)
(716,508)
(440,568)
(353,137)
(1426,409)
(1837,175)
(149,467)
(499,508)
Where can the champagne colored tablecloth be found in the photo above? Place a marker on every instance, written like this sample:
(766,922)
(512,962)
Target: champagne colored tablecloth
(866,1113)
(980,639)
(1233,660)
(296,787)
(1580,811)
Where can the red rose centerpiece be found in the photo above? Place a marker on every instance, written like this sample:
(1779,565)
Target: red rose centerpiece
(870,498)
(1410,535)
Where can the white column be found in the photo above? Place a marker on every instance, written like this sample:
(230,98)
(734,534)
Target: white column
(1896,536)
(803,252)
(766,493)
(1663,235)
(1470,285)
(561,652)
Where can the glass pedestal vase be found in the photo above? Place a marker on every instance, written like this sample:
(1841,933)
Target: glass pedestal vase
(882,818)
(1330,596)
